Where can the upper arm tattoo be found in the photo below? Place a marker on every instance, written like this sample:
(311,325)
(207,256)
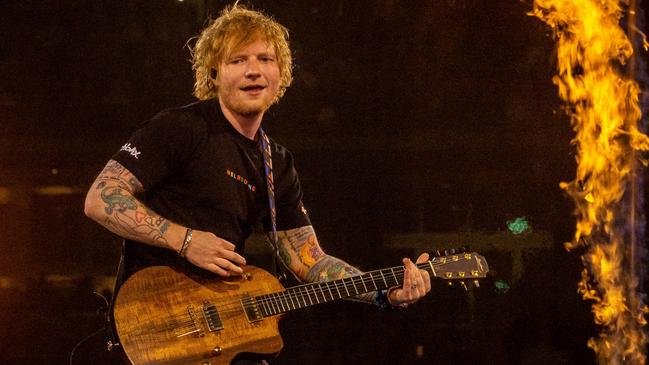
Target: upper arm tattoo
(115,172)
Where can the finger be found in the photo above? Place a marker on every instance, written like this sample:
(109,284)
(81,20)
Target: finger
(418,279)
(232,256)
(420,289)
(227,245)
(407,284)
(423,258)
(228,265)
(426,276)
(217,270)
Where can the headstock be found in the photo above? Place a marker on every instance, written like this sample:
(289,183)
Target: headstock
(460,266)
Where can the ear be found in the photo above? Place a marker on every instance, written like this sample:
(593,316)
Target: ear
(213,73)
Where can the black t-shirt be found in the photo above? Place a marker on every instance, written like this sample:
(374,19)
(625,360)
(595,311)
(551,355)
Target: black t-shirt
(200,172)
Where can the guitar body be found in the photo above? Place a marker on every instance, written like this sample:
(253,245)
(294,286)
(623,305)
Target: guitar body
(165,317)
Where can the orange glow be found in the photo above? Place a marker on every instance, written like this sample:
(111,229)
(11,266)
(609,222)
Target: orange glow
(592,50)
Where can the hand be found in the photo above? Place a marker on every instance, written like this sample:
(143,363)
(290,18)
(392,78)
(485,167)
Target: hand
(214,254)
(416,283)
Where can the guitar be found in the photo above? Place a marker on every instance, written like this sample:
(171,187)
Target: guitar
(165,316)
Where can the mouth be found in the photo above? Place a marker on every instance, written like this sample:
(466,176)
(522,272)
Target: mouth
(254,88)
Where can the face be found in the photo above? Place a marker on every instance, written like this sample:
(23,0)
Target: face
(248,79)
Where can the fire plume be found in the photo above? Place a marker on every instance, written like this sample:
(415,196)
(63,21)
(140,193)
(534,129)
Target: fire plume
(602,102)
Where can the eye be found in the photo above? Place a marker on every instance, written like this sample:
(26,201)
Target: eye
(266,59)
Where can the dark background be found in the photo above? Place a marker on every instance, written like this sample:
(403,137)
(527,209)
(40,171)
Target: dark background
(407,119)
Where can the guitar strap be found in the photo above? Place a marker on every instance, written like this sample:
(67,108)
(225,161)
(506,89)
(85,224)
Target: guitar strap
(271,238)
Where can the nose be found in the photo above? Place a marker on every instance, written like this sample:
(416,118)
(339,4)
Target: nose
(253,70)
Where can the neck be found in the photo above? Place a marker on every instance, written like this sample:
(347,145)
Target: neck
(247,125)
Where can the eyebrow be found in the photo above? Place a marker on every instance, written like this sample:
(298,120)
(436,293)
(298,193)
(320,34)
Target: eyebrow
(269,52)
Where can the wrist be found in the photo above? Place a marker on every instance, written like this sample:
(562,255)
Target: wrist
(186,241)
(391,297)
(382,299)
(175,236)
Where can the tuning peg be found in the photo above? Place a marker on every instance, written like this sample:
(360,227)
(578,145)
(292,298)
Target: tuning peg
(476,283)
(439,254)
(450,283)
(464,286)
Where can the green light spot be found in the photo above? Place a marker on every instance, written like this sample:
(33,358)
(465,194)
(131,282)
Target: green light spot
(518,225)
(501,286)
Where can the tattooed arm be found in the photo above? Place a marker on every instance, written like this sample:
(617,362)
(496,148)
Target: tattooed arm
(111,202)
(302,254)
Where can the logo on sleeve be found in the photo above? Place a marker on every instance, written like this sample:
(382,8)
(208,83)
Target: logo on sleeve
(132,150)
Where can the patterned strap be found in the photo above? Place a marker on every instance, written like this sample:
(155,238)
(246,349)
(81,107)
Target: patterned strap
(268,169)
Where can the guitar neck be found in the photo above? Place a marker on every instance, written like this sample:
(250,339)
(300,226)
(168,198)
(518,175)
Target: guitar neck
(306,295)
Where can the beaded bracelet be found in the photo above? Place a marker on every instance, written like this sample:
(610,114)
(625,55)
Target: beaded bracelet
(188,239)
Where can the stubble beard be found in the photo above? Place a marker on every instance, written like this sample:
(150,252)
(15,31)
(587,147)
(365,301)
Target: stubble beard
(248,109)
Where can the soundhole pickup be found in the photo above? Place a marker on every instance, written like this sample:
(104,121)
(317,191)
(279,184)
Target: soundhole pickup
(211,315)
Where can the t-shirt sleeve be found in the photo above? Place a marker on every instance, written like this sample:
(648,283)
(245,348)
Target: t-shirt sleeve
(158,147)
(290,209)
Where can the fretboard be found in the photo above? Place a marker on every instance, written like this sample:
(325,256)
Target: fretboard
(306,295)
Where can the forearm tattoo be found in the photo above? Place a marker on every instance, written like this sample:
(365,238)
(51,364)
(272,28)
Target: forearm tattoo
(125,215)
(300,250)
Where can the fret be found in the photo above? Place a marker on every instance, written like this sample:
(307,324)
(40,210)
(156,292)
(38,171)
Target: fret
(280,302)
(373,282)
(294,295)
(383,277)
(354,283)
(322,292)
(299,288)
(290,297)
(329,289)
(364,286)
(284,300)
(338,290)
(316,294)
(306,289)
(345,286)
(264,305)
(395,276)
(271,300)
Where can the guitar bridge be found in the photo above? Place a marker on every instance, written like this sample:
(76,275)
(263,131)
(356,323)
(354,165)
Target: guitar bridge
(196,330)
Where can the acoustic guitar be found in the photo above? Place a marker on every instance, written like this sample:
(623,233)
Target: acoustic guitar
(165,316)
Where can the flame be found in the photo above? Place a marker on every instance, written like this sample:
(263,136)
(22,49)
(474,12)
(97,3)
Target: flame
(592,50)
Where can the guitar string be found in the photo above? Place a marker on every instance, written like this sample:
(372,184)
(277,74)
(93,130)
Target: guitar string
(309,289)
(276,302)
(281,299)
(280,302)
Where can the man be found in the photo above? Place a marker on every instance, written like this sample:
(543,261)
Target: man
(189,186)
